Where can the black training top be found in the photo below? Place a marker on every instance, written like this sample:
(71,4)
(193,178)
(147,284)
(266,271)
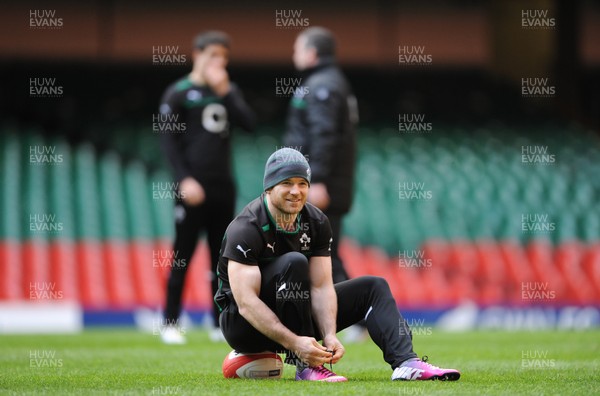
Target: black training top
(194,125)
(253,238)
(321,123)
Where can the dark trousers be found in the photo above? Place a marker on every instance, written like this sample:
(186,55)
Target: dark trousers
(285,288)
(337,266)
(214,215)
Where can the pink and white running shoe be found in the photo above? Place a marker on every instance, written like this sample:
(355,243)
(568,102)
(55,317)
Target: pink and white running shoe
(319,373)
(419,370)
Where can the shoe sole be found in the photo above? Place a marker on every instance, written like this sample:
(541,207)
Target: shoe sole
(325,380)
(445,377)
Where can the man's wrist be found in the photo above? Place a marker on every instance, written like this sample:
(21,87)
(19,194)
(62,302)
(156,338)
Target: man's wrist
(290,343)
(329,337)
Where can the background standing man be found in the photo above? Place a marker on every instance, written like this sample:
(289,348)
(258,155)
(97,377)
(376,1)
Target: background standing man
(206,101)
(321,123)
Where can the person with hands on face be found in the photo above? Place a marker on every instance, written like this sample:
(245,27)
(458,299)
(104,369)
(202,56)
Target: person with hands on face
(276,288)
(208,103)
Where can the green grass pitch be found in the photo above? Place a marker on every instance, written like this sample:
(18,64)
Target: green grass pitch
(118,361)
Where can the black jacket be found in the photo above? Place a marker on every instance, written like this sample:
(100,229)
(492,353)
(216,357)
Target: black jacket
(321,123)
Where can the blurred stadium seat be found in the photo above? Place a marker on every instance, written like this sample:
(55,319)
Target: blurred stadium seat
(469,227)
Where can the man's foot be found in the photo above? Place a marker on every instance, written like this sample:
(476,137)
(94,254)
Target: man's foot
(319,373)
(417,369)
(171,335)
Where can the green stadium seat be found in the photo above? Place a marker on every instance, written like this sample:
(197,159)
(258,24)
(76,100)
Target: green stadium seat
(112,197)
(87,203)
(162,210)
(34,192)
(11,224)
(138,202)
(60,194)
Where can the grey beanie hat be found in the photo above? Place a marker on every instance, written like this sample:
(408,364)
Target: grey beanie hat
(284,164)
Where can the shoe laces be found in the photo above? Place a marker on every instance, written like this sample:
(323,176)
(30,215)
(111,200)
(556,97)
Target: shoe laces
(425,359)
(330,361)
(323,370)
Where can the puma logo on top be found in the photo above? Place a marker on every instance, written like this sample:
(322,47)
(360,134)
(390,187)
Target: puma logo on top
(238,247)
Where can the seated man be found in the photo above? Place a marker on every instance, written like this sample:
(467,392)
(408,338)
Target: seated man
(276,291)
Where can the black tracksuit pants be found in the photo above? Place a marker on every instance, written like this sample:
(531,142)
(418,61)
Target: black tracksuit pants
(285,288)
(213,215)
(337,266)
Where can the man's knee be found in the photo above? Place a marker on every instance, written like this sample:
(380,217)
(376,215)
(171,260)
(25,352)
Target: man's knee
(295,257)
(376,284)
(294,265)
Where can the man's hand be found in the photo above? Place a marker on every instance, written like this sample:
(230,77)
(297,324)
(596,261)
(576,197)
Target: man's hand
(310,351)
(217,79)
(318,196)
(333,344)
(192,192)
